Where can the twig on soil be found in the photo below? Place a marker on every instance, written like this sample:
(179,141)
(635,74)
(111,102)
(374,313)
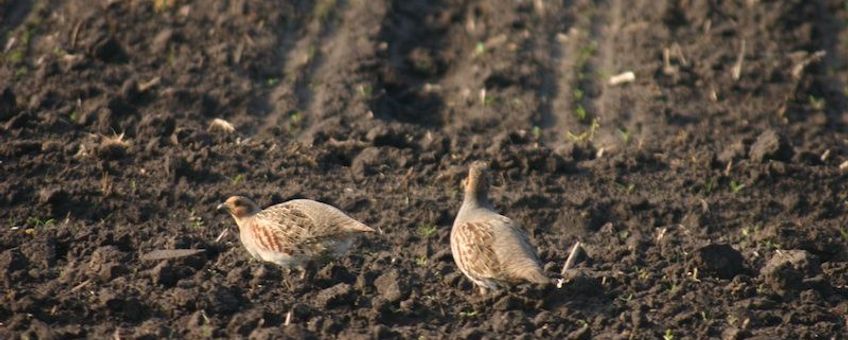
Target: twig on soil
(221,125)
(705,207)
(622,78)
(572,257)
(288,319)
(10,44)
(221,235)
(844,166)
(661,234)
(798,68)
(143,87)
(736,71)
(238,53)
(569,262)
(165,254)
(75,34)
(668,69)
(80,286)
(678,51)
(825,156)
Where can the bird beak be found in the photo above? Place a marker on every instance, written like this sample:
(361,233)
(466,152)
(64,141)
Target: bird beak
(222,208)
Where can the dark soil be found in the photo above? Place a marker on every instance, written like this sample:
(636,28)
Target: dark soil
(709,206)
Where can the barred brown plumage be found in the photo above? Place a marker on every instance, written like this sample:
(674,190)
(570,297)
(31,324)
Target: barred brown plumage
(489,248)
(291,233)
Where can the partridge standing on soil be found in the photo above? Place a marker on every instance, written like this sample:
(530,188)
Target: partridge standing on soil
(290,234)
(489,248)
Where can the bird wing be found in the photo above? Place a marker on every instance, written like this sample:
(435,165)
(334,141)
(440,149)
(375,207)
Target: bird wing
(517,257)
(475,249)
(289,225)
(326,219)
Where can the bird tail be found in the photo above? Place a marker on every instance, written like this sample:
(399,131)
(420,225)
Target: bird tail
(359,227)
(534,274)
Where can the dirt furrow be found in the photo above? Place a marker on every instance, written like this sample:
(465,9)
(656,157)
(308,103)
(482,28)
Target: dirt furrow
(831,37)
(417,55)
(574,57)
(322,76)
(295,53)
(341,84)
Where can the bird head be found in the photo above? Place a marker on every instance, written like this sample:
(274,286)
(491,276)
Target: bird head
(238,206)
(477,182)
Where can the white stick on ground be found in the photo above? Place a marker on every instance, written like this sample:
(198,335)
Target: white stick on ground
(736,71)
(288,319)
(798,69)
(626,77)
(222,235)
(572,257)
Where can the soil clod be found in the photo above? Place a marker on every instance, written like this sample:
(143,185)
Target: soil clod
(790,271)
(719,260)
(770,146)
(335,296)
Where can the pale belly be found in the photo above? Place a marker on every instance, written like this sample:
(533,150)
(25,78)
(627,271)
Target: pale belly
(334,248)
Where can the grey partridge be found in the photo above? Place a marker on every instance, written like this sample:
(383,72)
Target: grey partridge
(291,233)
(489,248)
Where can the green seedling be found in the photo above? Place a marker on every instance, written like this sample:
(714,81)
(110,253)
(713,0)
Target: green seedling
(489,100)
(627,298)
(625,135)
(196,221)
(585,135)
(586,53)
(577,95)
(816,103)
(237,179)
(421,261)
(668,335)
(709,185)
(479,49)
(295,117)
(15,56)
(426,231)
(580,113)
(468,314)
(627,187)
(365,90)
(537,132)
(37,222)
(735,186)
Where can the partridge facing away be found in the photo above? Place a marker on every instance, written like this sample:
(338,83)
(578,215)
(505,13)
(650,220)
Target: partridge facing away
(489,248)
(291,233)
